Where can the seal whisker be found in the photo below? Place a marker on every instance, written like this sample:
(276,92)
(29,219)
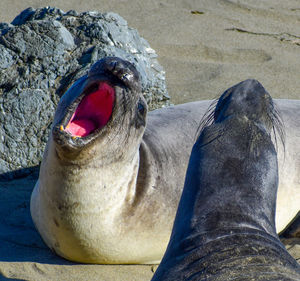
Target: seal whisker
(278,127)
(207,118)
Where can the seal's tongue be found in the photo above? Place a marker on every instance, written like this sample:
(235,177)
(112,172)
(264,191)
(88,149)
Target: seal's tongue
(93,112)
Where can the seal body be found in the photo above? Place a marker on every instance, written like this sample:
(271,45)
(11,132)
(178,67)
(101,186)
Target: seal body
(225,223)
(288,196)
(109,184)
(108,190)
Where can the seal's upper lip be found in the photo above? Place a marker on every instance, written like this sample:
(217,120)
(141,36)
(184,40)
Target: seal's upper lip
(93,111)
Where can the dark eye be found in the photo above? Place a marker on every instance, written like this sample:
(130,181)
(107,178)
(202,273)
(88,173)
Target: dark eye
(141,112)
(141,108)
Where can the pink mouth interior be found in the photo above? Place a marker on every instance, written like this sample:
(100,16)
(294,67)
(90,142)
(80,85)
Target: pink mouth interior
(93,112)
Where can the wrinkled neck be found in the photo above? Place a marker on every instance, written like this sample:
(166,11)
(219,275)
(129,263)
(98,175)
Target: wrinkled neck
(111,181)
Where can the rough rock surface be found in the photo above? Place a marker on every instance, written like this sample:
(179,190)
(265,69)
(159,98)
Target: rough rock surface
(42,52)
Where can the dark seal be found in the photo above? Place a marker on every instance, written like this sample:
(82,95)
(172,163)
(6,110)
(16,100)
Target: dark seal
(225,223)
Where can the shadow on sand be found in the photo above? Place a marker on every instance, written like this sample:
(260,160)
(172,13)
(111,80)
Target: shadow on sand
(19,240)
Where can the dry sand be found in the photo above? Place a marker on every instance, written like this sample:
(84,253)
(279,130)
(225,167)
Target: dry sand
(205,46)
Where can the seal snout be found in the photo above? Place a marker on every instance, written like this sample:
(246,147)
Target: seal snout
(94,110)
(110,89)
(119,70)
(96,107)
(248,98)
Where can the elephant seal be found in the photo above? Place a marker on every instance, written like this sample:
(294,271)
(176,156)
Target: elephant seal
(225,223)
(111,179)
(108,190)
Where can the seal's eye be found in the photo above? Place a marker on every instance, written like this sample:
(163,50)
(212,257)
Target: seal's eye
(141,108)
(141,112)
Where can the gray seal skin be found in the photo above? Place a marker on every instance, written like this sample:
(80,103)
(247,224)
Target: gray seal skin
(108,190)
(109,184)
(225,223)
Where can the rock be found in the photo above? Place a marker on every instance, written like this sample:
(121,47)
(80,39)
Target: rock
(42,52)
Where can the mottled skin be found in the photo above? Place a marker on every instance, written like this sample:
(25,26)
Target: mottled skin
(111,197)
(225,223)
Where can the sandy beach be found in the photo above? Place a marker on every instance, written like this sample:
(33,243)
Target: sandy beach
(205,46)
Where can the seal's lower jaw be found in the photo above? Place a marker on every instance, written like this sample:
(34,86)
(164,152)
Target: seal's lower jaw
(93,112)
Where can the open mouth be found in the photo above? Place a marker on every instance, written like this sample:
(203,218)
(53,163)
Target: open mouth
(93,112)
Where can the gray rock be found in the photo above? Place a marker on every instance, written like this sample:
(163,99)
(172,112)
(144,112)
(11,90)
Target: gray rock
(42,52)
(6,58)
